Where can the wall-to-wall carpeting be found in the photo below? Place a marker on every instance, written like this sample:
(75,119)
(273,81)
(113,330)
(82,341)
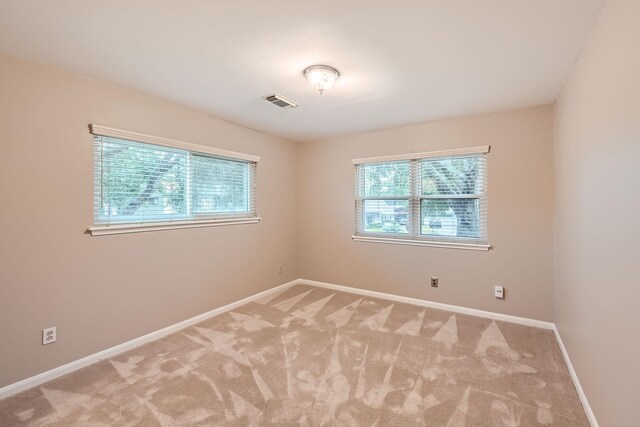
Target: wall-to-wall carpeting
(313,356)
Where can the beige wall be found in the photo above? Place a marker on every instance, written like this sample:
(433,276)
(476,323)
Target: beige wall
(597,215)
(102,291)
(520,216)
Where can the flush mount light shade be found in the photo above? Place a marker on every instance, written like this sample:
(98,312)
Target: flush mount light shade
(321,77)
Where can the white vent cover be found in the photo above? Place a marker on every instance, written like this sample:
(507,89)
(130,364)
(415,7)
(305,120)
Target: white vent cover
(280,101)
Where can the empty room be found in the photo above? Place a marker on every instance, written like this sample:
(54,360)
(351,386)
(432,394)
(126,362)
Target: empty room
(320,213)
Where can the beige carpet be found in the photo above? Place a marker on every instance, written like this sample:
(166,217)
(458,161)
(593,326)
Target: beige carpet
(314,357)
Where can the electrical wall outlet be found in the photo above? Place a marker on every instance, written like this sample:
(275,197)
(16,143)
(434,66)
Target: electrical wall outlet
(48,336)
(434,282)
(279,269)
(499,292)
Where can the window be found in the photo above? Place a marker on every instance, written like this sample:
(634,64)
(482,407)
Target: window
(427,199)
(143,183)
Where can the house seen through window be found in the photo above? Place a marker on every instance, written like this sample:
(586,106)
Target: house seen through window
(430,198)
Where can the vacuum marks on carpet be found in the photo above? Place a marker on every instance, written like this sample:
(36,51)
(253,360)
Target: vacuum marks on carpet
(315,357)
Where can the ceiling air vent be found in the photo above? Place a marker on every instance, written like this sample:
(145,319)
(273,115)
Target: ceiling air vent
(280,101)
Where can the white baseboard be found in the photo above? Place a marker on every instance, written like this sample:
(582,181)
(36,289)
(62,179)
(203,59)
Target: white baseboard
(36,380)
(576,382)
(440,306)
(471,311)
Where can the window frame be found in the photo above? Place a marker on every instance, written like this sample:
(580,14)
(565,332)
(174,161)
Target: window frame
(414,236)
(100,228)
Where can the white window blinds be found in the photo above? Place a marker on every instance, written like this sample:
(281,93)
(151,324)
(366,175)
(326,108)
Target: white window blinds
(140,182)
(432,197)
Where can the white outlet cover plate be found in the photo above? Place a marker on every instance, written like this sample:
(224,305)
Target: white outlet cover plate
(499,292)
(49,336)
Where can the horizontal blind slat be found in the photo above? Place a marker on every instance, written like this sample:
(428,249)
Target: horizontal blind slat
(139,182)
(447,201)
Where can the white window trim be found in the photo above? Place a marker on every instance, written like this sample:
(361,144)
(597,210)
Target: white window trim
(124,228)
(414,241)
(428,243)
(139,227)
(482,149)
(171,143)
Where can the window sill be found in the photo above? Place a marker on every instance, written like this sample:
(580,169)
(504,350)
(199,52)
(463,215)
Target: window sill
(428,243)
(103,230)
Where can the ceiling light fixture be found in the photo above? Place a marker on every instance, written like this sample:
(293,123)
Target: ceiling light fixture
(321,77)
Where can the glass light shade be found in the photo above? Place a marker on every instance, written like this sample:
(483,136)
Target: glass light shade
(321,77)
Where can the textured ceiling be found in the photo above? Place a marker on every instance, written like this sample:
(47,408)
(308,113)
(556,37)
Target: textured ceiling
(402,62)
